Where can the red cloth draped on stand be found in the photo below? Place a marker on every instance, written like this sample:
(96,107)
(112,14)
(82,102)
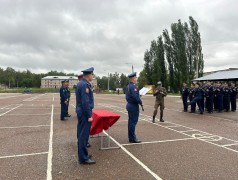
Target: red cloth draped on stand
(102,120)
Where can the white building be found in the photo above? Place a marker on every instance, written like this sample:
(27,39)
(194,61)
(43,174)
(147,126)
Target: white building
(55,81)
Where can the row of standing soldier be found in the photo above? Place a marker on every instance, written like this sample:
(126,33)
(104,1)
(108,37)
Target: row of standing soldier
(216,97)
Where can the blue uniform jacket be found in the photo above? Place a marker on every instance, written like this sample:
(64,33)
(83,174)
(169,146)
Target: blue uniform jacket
(63,94)
(132,94)
(84,98)
(184,92)
(198,93)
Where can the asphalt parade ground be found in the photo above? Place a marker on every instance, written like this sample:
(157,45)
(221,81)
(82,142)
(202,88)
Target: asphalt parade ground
(36,144)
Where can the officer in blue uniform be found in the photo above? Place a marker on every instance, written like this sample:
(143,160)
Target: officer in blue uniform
(233,96)
(219,93)
(63,101)
(197,97)
(191,97)
(184,96)
(85,104)
(209,97)
(133,102)
(226,98)
(215,96)
(68,97)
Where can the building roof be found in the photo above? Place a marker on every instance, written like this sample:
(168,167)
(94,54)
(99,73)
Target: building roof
(219,76)
(60,77)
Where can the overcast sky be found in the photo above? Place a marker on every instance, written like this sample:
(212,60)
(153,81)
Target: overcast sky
(69,35)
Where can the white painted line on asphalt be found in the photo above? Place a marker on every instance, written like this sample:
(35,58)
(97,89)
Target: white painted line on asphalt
(189,130)
(22,155)
(137,160)
(45,114)
(11,110)
(154,142)
(33,98)
(235,144)
(16,127)
(50,154)
(6,107)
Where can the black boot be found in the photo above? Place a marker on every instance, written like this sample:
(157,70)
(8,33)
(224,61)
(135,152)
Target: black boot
(153,120)
(161,119)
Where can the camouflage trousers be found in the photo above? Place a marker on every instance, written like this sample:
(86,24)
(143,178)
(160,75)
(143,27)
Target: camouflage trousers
(157,105)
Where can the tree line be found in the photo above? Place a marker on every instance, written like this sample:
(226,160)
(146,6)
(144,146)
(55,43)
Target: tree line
(14,79)
(173,57)
(11,77)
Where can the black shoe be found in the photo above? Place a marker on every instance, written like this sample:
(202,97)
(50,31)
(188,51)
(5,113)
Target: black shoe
(161,120)
(185,111)
(65,119)
(88,145)
(201,112)
(68,115)
(153,120)
(134,141)
(89,161)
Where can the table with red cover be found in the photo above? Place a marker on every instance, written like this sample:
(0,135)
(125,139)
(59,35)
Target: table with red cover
(103,120)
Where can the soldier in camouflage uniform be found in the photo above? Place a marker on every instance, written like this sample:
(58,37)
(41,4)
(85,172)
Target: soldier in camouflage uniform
(68,96)
(160,93)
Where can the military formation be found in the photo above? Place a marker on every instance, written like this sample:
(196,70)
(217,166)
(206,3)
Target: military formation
(218,97)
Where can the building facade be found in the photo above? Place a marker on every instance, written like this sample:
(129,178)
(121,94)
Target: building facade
(55,81)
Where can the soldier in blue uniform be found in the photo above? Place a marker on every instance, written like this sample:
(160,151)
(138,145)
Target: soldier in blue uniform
(226,98)
(209,97)
(197,97)
(85,104)
(68,97)
(184,96)
(219,93)
(63,101)
(233,96)
(133,102)
(191,97)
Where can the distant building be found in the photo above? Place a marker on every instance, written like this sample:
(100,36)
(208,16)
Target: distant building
(3,86)
(55,81)
(211,72)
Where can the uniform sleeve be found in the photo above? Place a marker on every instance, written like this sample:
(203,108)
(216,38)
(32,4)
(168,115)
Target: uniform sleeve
(165,92)
(86,101)
(135,94)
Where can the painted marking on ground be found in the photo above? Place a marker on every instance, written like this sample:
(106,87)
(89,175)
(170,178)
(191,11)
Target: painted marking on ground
(22,155)
(16,127)
(137,160)
(50,154)
(154,142)
(11,110)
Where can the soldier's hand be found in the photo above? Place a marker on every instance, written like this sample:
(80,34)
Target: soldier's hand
(90,119)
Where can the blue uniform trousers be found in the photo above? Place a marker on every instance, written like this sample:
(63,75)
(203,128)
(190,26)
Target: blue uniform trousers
(233,102)
(226,102)
(63,110)
(133,114)
(83,130)
(220,102)
(209,103)
(198,101)
(185,100)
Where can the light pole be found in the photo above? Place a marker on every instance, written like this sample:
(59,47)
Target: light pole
(131,67)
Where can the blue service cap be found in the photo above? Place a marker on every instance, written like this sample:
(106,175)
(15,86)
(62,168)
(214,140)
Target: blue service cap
(132,75)
(88,71)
